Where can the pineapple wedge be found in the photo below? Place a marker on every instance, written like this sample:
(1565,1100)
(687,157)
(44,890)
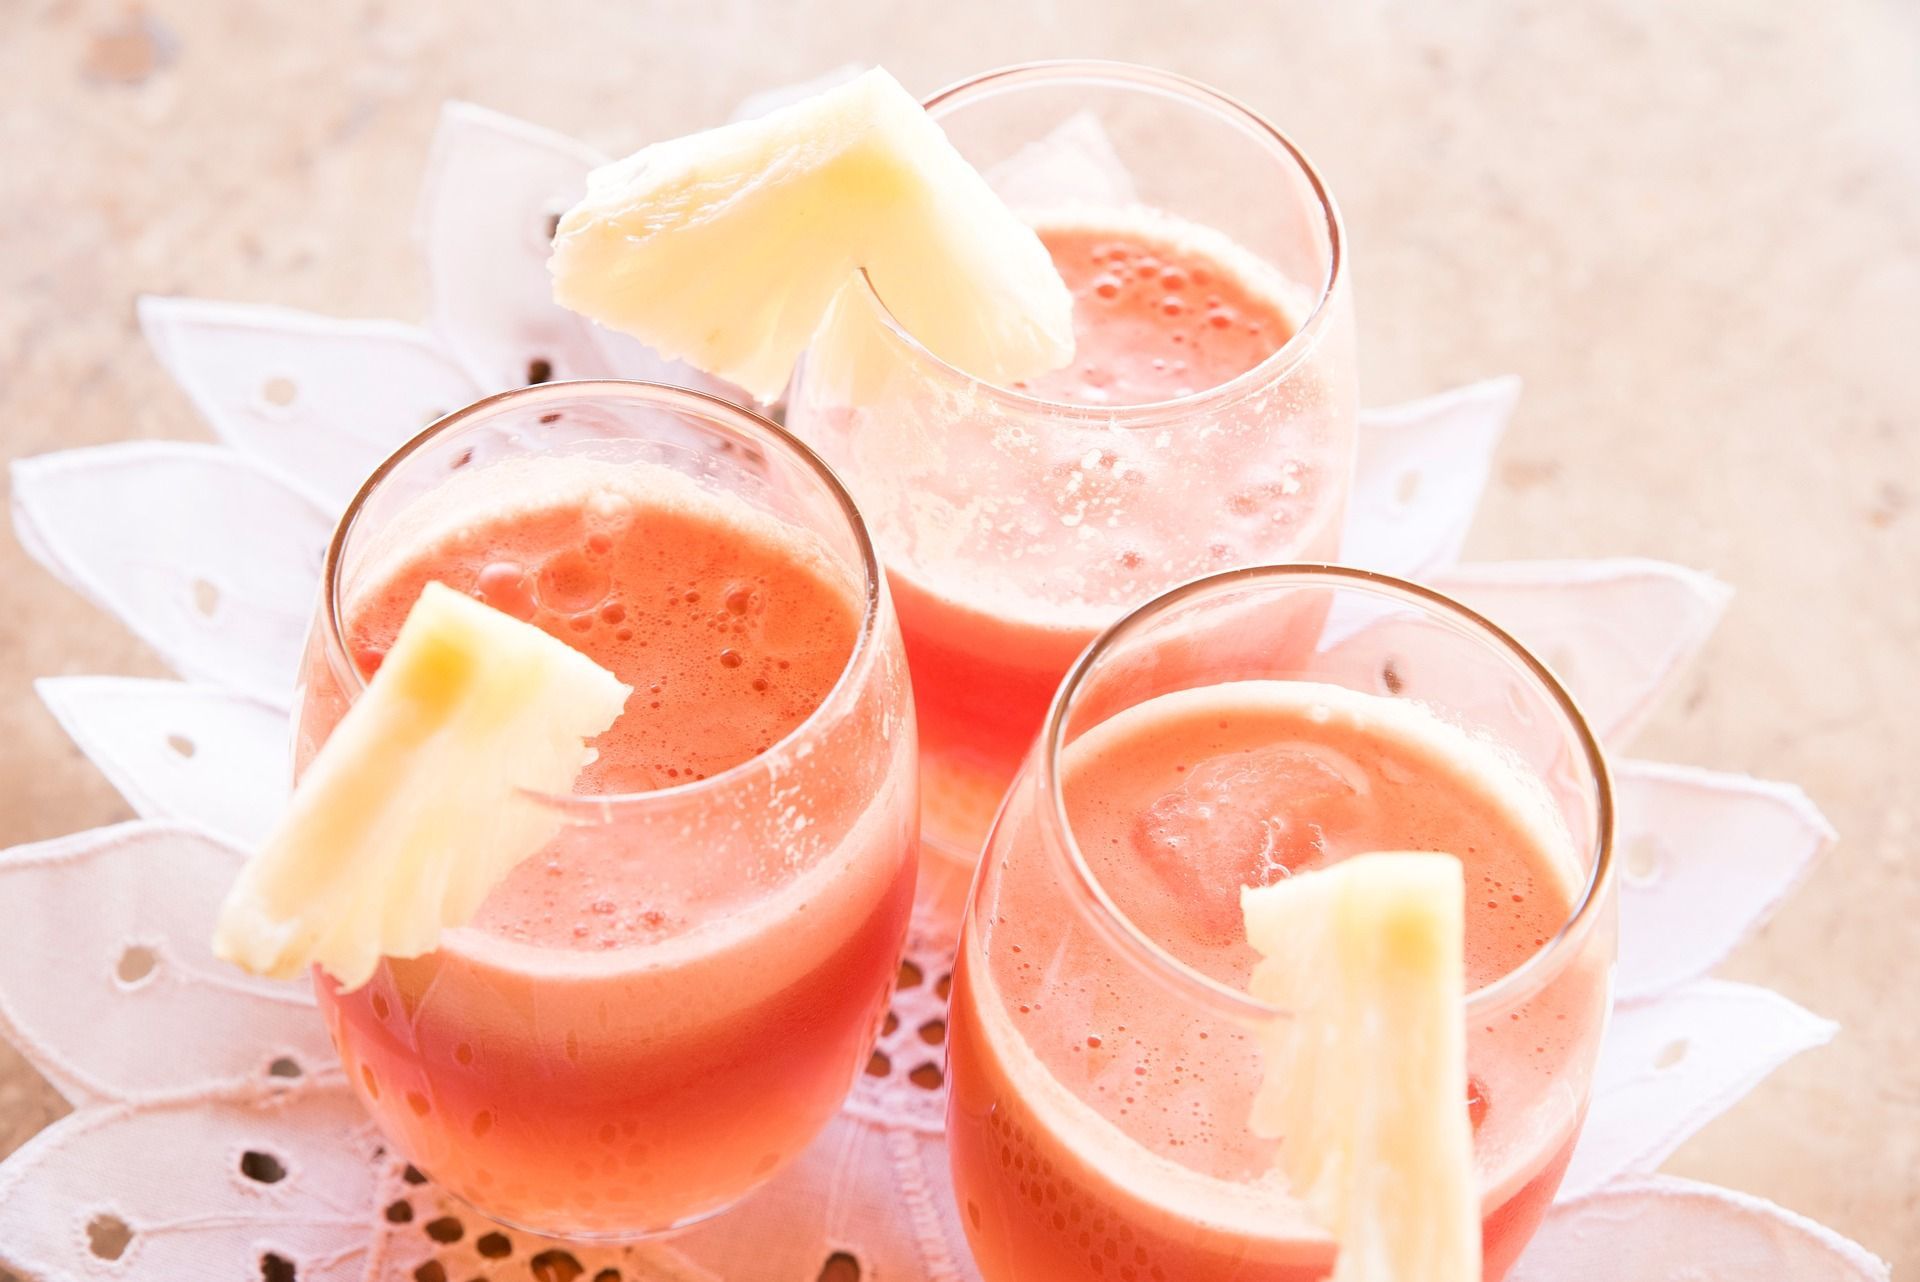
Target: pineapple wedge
(726,248)
(1366,1083)
(412,810)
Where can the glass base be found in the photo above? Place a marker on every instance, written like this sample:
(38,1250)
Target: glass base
(598,1237)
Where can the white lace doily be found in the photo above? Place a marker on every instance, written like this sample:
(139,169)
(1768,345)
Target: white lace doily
(212,1136)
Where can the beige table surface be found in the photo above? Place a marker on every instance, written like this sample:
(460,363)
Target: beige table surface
(1694,228)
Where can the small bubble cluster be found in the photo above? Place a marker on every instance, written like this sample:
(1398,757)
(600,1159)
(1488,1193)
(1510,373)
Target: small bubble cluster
(1154,320)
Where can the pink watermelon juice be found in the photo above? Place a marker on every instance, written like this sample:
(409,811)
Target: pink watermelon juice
(663,1007)
(1098,1125)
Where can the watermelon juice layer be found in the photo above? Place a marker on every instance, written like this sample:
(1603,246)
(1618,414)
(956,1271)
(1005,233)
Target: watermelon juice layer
(1013,535)
(663,1007)
(1098,1122)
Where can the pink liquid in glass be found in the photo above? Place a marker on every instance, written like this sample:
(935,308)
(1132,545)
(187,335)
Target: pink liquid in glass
(623,1040)
(1098,1125)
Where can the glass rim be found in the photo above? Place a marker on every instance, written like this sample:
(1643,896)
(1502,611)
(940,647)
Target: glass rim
(585,807)
(1275,367)
(1530,975)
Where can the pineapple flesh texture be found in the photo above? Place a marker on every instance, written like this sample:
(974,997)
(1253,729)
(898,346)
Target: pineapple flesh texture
(726,248)
(1365,1079)
(415,807)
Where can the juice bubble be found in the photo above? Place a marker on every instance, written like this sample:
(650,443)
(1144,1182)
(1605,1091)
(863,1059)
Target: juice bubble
(503,585)
(569,583)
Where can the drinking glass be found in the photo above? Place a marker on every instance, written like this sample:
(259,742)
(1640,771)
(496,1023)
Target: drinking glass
(1101,1085)
(587,1084)
(1013,527)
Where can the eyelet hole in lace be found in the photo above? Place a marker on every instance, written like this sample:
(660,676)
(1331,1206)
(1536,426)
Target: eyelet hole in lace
(911,975)
(446,1230)
(399,1211)
(183,747)
(275,1267)
(555,1266)
(928,1077)
(1642,865)
(841,1266)
(206,597)
(1390,679)
(933,1032)
(493,1246)
(539,370)
(108,1236)
(285,1066)
(262,1168)
(1671,1054)
(279,392)
(136,966)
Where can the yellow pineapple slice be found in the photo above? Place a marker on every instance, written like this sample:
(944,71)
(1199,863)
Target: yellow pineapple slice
(413,809)
(1366,1082)
(725,248)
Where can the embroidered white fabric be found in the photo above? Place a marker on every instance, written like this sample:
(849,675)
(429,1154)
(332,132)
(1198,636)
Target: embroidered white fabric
(212,1136)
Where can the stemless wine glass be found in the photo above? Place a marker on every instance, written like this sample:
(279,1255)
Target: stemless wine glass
(1103,1051)
(1015,522)
(666,1004)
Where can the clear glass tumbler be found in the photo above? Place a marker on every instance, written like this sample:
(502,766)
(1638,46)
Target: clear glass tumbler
(1102,1046)
(652,1015)
(1016,522)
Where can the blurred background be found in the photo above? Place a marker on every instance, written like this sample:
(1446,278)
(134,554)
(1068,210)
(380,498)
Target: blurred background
(1694,229)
